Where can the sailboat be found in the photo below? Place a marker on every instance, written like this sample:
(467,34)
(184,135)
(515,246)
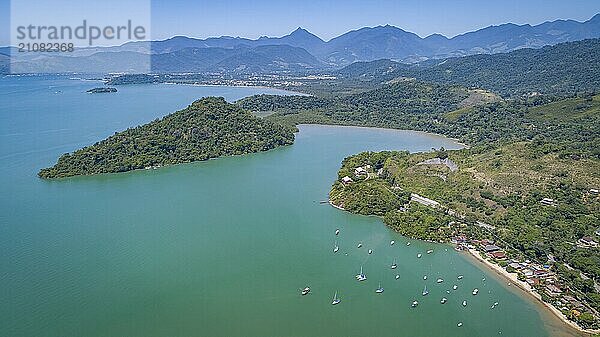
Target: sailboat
(425,291)
(379,290)
(444,300)
(408,243)
(454,287)
(419,255)
(464,303)
(397,276)
(361,276)
(475,291)
(337,231)
(414,303)
(336,248)
(440,280)
(460,277)
(335,300)
(392,242)
(359,245)
(370,251)
(305,291)
(430,251)
(394,265)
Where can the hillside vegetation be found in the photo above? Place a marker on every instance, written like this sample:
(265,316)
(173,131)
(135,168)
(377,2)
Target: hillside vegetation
(208,128)
(554,70)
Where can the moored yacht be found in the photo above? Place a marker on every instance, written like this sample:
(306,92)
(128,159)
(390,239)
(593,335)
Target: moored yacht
(305,291)
(379,289)
(361,276)
(425,291)
(335,300)
(394,265)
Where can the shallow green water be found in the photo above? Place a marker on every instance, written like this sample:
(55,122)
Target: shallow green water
(219,248)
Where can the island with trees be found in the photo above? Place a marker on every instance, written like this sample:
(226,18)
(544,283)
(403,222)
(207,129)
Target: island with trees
(102,90)
(208,128)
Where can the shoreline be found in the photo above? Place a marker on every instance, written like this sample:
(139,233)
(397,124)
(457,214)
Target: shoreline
(524,287)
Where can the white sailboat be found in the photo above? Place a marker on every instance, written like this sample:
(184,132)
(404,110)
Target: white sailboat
(475,291)
(444,300)
(336,248)
(335,300)
(394,265)
(414,303)
(361,276)
(379,289)
(305,291)
(425,291)
(464,303)
(392,242)
(337,231)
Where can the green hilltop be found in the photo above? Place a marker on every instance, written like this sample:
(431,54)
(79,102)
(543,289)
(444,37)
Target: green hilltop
(208,128)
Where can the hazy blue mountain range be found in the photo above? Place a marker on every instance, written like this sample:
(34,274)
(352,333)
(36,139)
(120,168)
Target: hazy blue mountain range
(302,51)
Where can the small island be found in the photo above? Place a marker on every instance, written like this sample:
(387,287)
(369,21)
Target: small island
(102,90)
(208,128)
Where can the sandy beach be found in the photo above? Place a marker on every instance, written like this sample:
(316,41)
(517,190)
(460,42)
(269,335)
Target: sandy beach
(512,278)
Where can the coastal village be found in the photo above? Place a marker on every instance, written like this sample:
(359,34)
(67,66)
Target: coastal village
(537,278)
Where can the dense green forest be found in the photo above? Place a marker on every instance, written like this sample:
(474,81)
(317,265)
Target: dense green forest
(208,128)
(554,70)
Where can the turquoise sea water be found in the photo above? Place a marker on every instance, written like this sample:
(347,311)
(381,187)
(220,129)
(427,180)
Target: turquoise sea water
(217,248)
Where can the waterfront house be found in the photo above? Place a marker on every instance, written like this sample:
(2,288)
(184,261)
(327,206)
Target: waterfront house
(346,180)
(527,272)
(498,255)
(552,290)
(515,265)
(491,248)
(359,171)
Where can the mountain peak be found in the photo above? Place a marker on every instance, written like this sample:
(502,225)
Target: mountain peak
(301,31)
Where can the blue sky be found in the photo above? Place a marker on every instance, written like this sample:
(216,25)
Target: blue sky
(327,19)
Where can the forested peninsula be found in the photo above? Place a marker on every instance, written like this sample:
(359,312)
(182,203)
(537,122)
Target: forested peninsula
(208,128)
